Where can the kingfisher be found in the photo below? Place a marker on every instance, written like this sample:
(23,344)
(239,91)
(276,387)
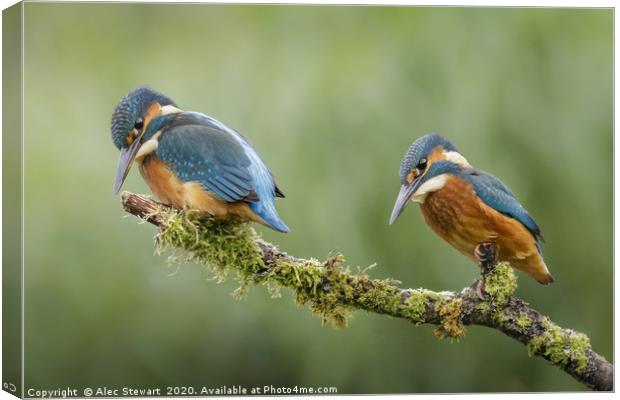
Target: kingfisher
(469,208)
(192,161)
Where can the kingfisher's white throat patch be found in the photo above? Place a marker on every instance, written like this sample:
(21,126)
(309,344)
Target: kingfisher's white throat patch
(148,147)
(457,158)
(430,186)
(151,145)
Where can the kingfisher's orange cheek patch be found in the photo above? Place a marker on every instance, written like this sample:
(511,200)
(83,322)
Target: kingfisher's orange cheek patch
(411,176)
(130,137)
(153,111)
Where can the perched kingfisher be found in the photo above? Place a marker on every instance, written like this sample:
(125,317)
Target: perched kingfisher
(192,161)
(467,207)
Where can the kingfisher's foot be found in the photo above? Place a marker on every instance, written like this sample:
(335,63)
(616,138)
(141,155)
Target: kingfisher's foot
(486,254)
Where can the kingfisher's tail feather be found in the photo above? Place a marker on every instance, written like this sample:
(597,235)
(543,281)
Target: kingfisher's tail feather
(542,275)
(547,280)
(268,213)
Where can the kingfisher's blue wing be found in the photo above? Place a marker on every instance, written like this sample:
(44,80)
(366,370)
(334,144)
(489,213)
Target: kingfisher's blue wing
(209,155)
(201,149)
(497,195)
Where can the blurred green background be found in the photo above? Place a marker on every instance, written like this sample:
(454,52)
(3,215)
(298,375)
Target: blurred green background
(331,97)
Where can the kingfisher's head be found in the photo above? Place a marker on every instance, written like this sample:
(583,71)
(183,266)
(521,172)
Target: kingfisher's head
(418,177)
(130,121)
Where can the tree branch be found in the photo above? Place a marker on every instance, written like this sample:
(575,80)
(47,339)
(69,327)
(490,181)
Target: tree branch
(333,291)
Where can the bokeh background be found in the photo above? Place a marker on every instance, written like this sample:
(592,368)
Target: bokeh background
(331,97)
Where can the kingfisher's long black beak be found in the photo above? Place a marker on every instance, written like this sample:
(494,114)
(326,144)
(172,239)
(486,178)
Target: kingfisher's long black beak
(405,194)
(124,163)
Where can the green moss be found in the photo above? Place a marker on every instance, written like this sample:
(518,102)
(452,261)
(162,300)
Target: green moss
(562,347)
(450,311)
(484,308)
(383,298)
(333,291)
(523,322)
(500,283)
(412,304)
(415,304)
(218,245)
(500,317)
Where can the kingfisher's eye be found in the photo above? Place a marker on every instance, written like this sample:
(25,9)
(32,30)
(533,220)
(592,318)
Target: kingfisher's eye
(421,165)
(139,124)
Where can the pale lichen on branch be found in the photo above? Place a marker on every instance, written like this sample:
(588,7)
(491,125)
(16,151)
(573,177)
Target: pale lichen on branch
(334,291)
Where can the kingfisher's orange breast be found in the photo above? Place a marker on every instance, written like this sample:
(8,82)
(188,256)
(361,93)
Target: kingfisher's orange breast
(189,195)
(462,219)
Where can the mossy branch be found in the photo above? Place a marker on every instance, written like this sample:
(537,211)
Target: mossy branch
(334,291)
